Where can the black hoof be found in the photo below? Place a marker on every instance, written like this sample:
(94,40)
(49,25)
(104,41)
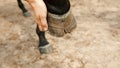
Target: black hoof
(27,14)
(45,49)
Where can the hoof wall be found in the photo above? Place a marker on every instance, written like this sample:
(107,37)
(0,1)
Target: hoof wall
(56,32)
(27,14)
(45,49)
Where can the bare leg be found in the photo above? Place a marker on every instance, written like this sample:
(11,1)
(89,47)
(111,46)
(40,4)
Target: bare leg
(24,10)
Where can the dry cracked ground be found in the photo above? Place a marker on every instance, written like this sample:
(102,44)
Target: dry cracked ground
(95,43)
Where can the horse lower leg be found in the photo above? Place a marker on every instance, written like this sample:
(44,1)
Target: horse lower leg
(42,39)
(24,10)
(21,6)
(44,45)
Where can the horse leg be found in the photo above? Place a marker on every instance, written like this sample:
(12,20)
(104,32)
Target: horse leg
(44,45)
(24,10)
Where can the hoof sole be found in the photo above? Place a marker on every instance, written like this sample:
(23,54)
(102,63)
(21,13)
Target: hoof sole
(27,14)
(45,49)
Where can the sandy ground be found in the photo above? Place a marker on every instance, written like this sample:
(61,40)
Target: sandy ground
(95,43)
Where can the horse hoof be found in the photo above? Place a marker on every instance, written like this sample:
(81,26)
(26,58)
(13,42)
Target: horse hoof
(26,14)
(45,49)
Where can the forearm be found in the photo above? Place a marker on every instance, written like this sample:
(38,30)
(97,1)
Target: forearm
(40,11)
(38,6)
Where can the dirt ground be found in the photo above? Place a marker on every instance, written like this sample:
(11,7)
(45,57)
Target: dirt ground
(95,43)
